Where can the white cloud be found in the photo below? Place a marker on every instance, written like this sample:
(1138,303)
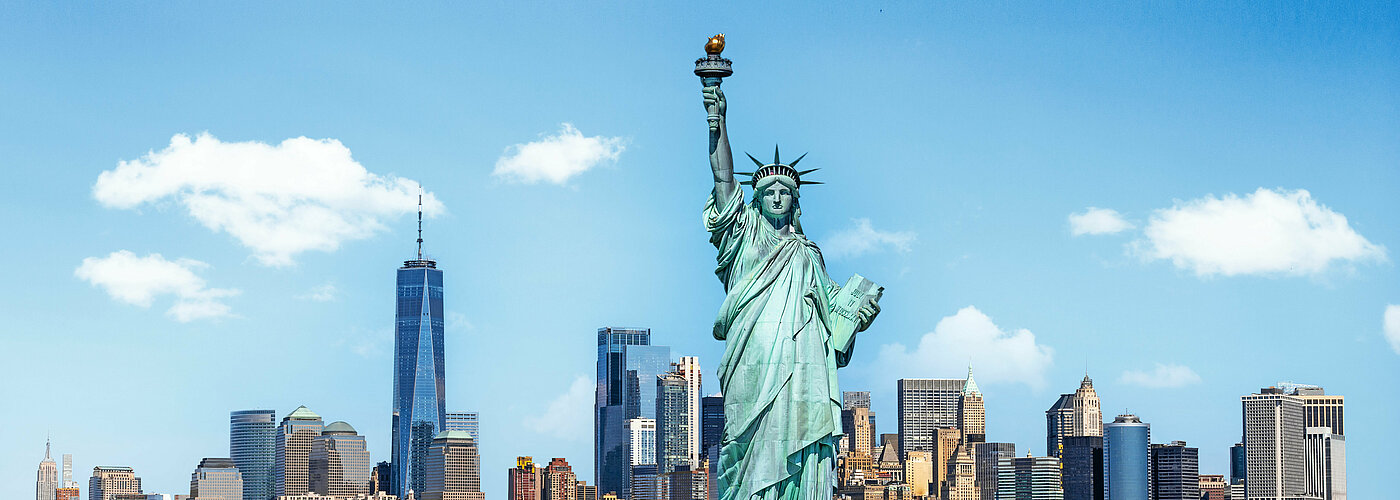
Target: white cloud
(862,238)
(997,355)
(140,280)
(278,200)
(1266,232)
(1094,220)
(567,416)
(458,322)
(321,293)
(1392,326)
(1164,376)
(556,158)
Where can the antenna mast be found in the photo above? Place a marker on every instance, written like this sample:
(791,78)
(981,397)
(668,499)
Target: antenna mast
(420,222)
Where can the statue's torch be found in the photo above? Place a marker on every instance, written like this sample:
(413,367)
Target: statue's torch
(712,69)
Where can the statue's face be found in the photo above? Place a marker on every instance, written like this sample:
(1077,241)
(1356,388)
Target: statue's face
(776,200)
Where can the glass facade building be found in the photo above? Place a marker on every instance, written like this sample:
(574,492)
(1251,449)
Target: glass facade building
(339,463)
(420,410)
(672,423)
(1176,472)
(1081,460)
(628,367)
(1127,461)
(252,447)
(711,421)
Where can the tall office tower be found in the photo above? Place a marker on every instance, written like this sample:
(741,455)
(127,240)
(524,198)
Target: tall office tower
(339,462)
(1175,472)
(465,421)
(1322,410)
(420,407)
(560,482)
(454,468)
(66,493)
(1326,463)
(1211,486)
(918,472)
(988,459)
(107,482)
(961,480)
(1127,463)
(1082,467)
(711,421)
(1029,478)
(216,479)
(1275,453)
(641,441)
(1074,414)
(645,484)
(585,491)
(379,479)
(926,405)
(672,422)
(947,442)
(252,445)
(687,483)
(68,481)
(524,482)
(610,460)
(855,423)
(689,368)
(47,481)
(855,399)
(1237,464)
(292,459)
(972,414)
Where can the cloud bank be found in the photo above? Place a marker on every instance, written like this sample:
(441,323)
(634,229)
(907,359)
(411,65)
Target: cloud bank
(1266,232)
(1164,376)
(862,238)
(140,280)
(1094,220)
(278,200)
(557,158)
(999,356)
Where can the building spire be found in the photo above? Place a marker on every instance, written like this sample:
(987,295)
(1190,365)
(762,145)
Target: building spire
(420,222)
(47,443)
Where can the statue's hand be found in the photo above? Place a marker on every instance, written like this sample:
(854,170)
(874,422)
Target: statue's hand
(714,105)
(867,314)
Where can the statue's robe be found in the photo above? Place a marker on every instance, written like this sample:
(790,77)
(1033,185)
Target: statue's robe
(781,406)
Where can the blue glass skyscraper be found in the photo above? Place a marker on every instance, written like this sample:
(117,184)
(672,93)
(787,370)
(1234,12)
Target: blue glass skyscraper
(420,411)
(252,447)
(1127,461)
(627,369)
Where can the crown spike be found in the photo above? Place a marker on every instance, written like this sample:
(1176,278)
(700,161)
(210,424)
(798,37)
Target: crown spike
(808,171)
(794,162)
(804,183)
(755,160)
(776,161)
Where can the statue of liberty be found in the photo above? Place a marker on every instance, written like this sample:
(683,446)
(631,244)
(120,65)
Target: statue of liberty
(786,325)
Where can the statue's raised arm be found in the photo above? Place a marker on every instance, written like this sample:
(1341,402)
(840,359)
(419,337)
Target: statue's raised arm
(721,159)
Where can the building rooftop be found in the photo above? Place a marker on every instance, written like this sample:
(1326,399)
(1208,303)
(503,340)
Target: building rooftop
(302,413)
(338,427)
(453,435)
(216,463)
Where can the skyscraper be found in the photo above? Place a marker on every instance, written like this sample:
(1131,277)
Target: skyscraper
(524,481)
(1273,443)
(1322,410)
(1237,464)
(47,481)
(1175,472)
(1326,463)
(292,462)
(926,405)
(107,482)
(689,369)
(465,421)
(672,422)
(611,464)
(560,482)
(339,462)
(454,468)
(711,421)
(252,445)
(987,457)
(420,407)
(1127,461)
(918,472)
(972,413)
(960,481)
(1082,467)
(1029,478)
(216,479)
(855,423)
(1074,414)
(68,481)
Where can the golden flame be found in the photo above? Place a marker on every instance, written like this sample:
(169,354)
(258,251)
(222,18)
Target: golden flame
(715,45)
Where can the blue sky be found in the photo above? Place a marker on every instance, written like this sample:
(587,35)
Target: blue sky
(1248,155)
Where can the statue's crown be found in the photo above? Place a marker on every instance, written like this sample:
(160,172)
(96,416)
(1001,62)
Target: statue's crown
(778,168)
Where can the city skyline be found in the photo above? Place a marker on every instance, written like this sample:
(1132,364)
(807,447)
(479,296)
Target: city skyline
(1027,167)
